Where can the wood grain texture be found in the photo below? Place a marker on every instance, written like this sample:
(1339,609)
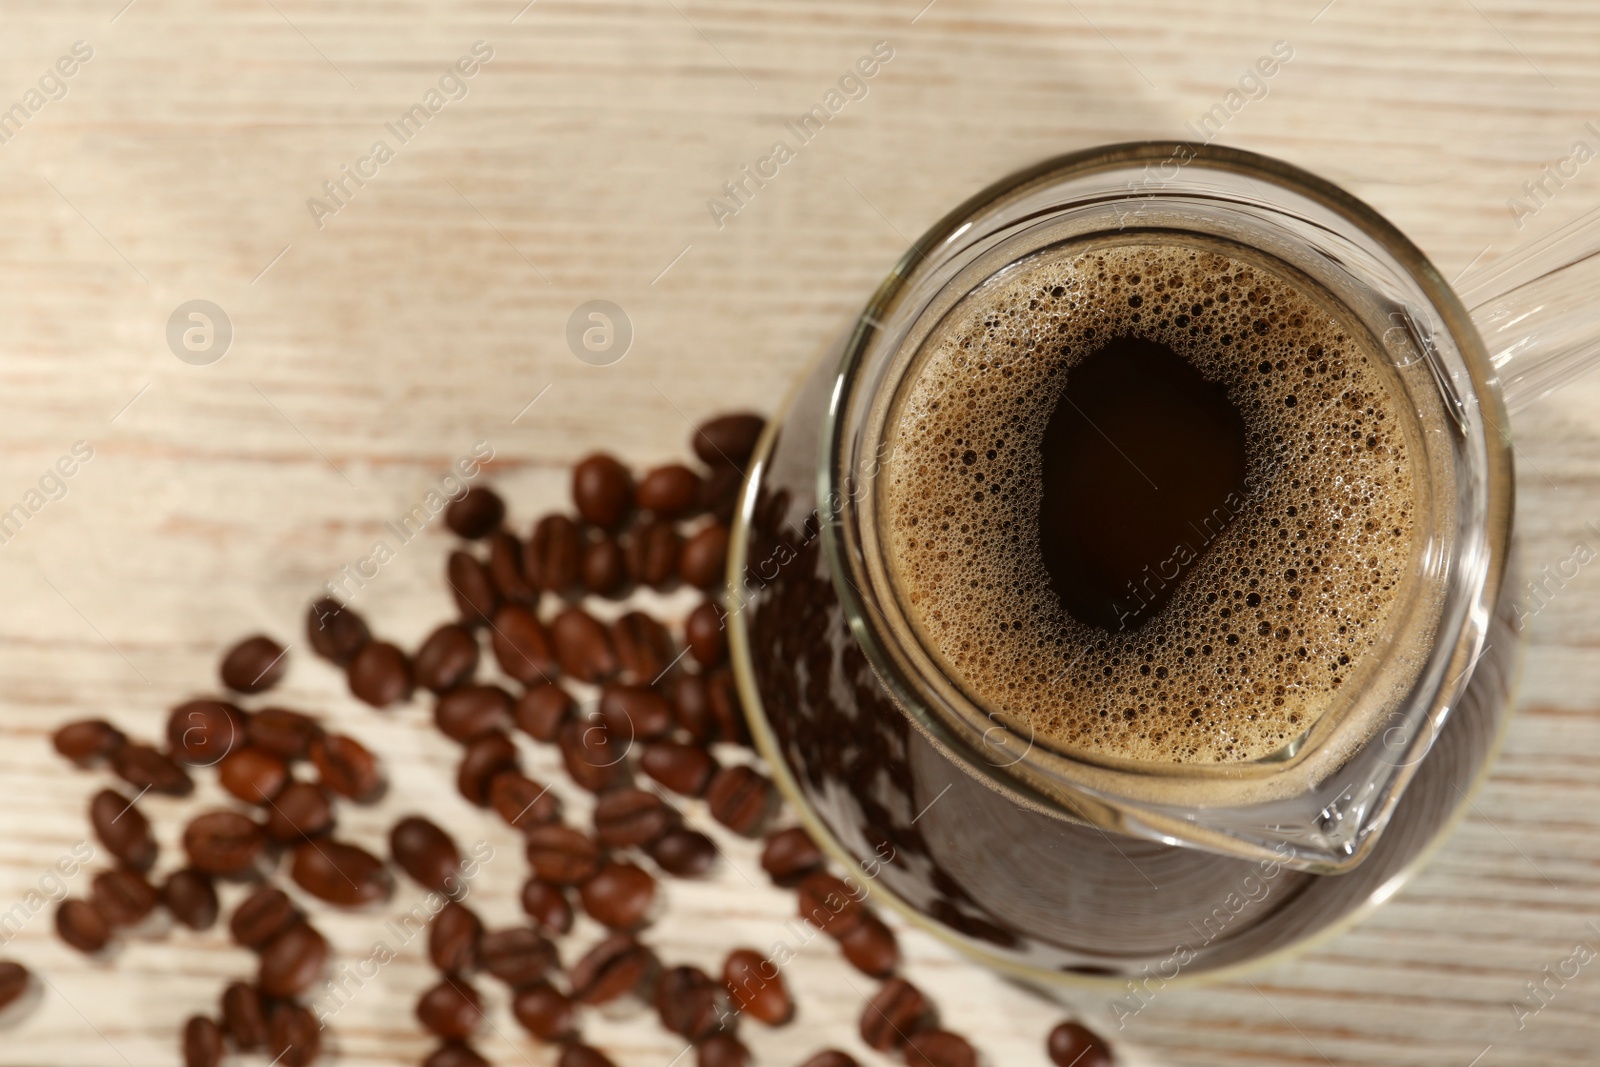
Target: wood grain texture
(430,310)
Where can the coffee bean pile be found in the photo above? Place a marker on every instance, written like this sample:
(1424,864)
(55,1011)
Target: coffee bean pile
(666,723)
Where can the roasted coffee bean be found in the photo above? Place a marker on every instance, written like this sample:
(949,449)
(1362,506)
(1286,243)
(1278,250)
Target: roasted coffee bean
(379,674)
(593,759)
(562,855)
(14,982)
(303,809)
(201,732)
(521,801)
(939,1048)
(541,711)
(80,924)
(727,711)
(545,1012)
(583,646)
(191,898)
(691,706)
(628,818)
(1072,1045)
(472,711)
(454,1054)
(550,558)
(684,769)
(144,768)
(686,1001)
(346,766)
(721,1050)
(124,897)
(583,1056)
(284,733)
(483,759)
(635,712)
(644,647)
(450,1009)
(505,569)
(87,741)
(727,440)
(427,853)
(335,632)
(703,561)
(683,852)
(253,775)
(262,916)
(719,492)
(871,947)
(293,961)
(548,907)
(669,491)
(605,566)
(123,829)
(293,1036)
(453,938)
(244,1016)
(602,490)
(618,896)
(521,645)
(789,855)
(340,873)
(831,1058)
(895,1012)
(740,798)
(254,665)
(223,843)
(651,551)
(613,968)
(474,592)
(476,513)
(705,635)
(446,659)
(202,1042)
(829,905)
(756,986)
(519,955)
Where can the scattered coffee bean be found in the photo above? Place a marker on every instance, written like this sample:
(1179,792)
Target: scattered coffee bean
(548,907)
(450,1009)
(472,711)
(593,758)
(191,898)
(505,569)
(583,646)
(683,852)
(379,674)
(644,648)
(740,798)
(618,896)
(541,711)
(722,695)
(1072,1045)
(223,843)
(561,855)
(613,968)
(705,634)
(583,1056)
(284,733)
(684,769)
(454,1054)
(756,986)
(939,1048)
(895,1012)
(604,567)
(635,712)
(521,801)
(340,873)
(80,924)
(244,1016)
(123,829)
(691,706)
(293,961)
(521,645)
(519,956)
(476,513)
(790,855)
(446,659)
(293,1036)
(254,665)
(123,897)
(303,809)
(651,551)
(670,491)
(871,947)
(262,916)
(831,1058)
(829,905)
(335,632)
(252,774)
(475,595)
(629,818)
(727,440)
(719,492)
(721,1050)
(202,1042)
(602,490)
(550,558)
(87,741)
(545,1012)
(687,1002)
(453,938)
(201,732)
(144,768)
(483,759)
(427,853)
(703,560)
(345,766)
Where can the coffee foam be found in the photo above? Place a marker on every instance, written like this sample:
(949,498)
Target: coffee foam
(1266,629)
